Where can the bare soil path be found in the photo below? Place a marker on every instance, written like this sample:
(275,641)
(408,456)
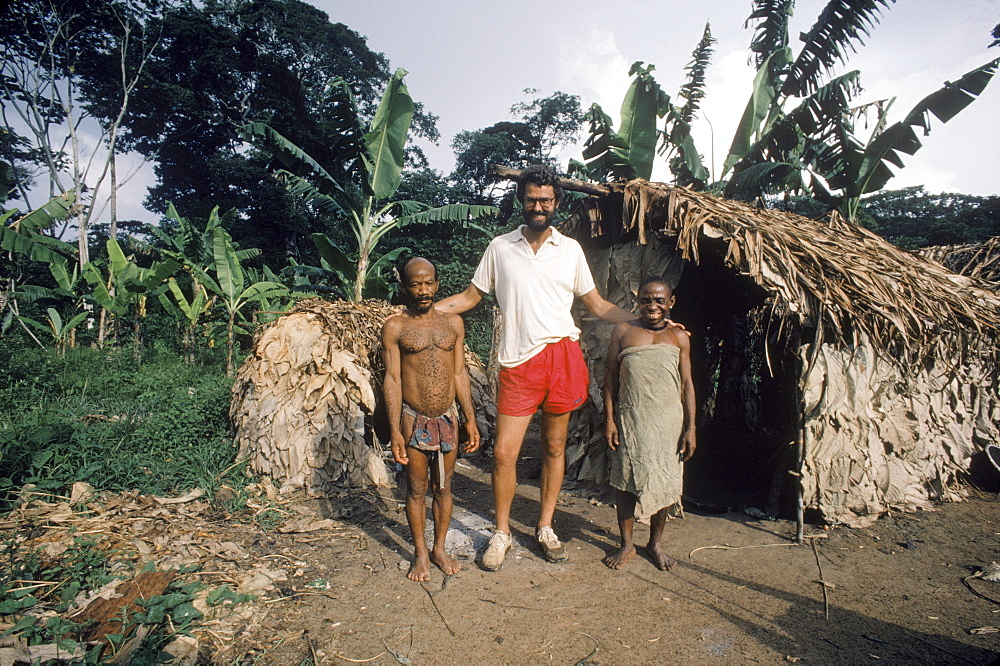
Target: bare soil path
(742,590)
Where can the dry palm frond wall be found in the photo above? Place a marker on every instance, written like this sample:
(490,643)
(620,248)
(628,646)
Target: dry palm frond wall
(307,398)
(902,387)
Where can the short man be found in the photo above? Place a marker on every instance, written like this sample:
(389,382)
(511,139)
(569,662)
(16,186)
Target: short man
(649,419)
(425,372)
(535,272)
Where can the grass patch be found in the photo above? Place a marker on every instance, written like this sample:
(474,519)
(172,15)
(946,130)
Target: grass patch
(158,427)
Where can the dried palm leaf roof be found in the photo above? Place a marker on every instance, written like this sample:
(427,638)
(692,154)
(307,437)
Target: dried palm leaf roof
(975,260)
(831,274)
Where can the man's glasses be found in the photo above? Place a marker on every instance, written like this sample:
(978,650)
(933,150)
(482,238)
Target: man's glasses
(529,202)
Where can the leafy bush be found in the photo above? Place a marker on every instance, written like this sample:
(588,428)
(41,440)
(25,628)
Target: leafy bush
(101,417)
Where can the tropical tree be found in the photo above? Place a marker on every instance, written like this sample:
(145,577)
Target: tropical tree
(797,133)
(226,63)
(377,156)
(125,287)
(50,55)
(228,282)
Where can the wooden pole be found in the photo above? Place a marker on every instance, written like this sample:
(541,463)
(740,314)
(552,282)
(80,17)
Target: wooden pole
(565,183)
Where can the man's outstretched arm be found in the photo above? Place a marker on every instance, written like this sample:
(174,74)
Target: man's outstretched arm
(602,309)
(462,302)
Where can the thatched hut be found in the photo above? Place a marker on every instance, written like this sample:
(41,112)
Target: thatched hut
(307,405)
(835,372)
(976,260)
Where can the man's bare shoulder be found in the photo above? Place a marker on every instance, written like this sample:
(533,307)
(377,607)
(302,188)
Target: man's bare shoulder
(393,324)
(679,337)
(455,321)
(622,328)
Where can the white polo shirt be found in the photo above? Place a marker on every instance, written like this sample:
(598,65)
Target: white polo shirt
(534,290)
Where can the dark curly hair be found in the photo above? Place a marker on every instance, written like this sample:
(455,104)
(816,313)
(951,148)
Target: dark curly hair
(656,279)
(539,174)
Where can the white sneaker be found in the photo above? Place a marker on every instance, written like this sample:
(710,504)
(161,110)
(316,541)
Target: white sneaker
(496,551)
(551,546)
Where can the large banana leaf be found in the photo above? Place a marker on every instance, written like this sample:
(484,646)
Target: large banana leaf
(604,150)
(228,272)
(902,137)
(309,193)
(465,215)
(377,286)
(693,89)
(52,211)
(387,138)
(261,290)
(294,158)
(840,24)
(23,235)
(644,103)
(771,33)
(335,260)
(757,109)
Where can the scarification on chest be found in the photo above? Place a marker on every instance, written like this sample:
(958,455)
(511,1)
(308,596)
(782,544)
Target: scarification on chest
(416,340)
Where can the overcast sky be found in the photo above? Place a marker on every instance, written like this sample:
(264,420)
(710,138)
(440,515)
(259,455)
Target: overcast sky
(470,60)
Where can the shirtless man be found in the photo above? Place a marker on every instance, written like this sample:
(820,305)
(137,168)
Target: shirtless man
(425,373)
(649,412)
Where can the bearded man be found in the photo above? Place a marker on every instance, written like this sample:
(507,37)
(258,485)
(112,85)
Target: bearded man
(535,272)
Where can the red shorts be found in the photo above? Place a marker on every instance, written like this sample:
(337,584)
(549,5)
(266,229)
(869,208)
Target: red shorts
(555,379)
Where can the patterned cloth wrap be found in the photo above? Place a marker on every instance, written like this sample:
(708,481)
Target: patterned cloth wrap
(433,434)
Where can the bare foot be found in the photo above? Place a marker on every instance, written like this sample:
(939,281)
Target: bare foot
(619,558)
(445,562)
(420,570)
(662,561)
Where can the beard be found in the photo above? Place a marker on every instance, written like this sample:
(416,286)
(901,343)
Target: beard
(422,308)
(540,221)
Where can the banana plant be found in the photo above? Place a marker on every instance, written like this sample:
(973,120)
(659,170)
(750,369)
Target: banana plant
(377,156)
(628,152)
(229,283)
(191,310)
(54,326)
(126,286)
(24,235)
(797,133)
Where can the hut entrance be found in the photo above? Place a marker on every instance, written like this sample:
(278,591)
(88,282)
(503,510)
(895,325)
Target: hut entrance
(745,392)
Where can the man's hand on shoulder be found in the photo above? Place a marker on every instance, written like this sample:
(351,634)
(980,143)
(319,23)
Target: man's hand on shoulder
(675,326)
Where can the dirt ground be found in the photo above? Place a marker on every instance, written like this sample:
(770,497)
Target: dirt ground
(328,582)
(743,591)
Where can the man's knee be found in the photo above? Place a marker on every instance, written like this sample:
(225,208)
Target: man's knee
(442,491)
(505,456)
(554,447)
(416,489)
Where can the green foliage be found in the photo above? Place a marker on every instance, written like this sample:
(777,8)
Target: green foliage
(370,214)
(83,567)
(101,417)
(797,132)
(912,218)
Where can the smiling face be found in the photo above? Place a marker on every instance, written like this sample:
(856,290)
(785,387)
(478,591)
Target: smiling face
(655,301)
(539,206)
(420,284)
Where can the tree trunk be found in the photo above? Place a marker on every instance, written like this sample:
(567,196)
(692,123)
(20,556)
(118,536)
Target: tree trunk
(359,280)
(565,183)
(113,230)
(229,345)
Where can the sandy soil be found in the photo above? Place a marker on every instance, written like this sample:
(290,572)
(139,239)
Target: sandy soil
(742,590)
